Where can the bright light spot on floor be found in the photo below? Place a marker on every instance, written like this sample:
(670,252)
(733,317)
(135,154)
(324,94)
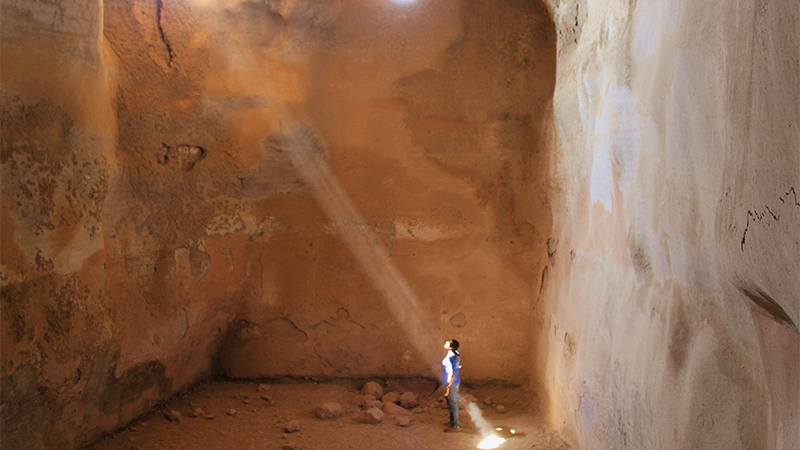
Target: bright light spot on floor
(491,442)
(404,2)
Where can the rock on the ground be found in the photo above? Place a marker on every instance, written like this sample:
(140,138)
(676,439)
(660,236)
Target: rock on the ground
(209,416)
(372,388)
(289,446)
(391,397)
(264,387)
(292,427)
(487,401)
(395,410)
(371,416)
(500,409)
(197,412)
(233,412)
(409,400)
(173,415)
(404,421)
(368,401)
(329,410)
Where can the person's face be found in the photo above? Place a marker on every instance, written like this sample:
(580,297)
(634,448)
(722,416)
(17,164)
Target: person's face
(447,345)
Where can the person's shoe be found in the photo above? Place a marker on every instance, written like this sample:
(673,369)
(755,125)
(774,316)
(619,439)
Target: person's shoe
(452,430)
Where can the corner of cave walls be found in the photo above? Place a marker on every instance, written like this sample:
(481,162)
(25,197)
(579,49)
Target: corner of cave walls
(674,129)
(148,222)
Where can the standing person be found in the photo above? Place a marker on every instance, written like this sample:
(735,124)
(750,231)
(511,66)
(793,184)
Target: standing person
(451,365)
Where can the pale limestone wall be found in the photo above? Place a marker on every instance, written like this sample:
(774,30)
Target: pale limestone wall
(153,215)
(672,316)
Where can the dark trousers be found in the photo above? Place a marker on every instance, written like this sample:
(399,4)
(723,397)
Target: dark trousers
(452,405)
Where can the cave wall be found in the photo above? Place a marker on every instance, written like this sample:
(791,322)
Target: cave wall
(671,316)
(261,189)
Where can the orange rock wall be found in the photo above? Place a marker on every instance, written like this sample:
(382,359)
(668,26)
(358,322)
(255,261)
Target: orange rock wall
(160,224)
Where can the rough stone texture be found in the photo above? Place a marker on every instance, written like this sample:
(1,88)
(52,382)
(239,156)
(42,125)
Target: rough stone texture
(404,421)
(334,188)
(329,411)
(371,416)
(151,214)
(292,427)
(424,151)
(391,397)
(409,400)
(372,389)
(671,304)
(393,410)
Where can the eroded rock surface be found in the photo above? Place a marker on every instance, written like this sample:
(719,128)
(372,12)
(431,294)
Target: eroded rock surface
(151,215)
(671,298)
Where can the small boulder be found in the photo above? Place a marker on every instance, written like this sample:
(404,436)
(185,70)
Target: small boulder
(391,397)
(500,409)
(233,412)
(197,412)
(264,387)
(487,401)
(329,411)
(292,427)
(209,417)
(289,446)
(404,421)
(371,416)
(409,400)
(395,410)
(372,388)
(173,415)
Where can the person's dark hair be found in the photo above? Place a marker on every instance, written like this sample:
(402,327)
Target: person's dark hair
(454,345)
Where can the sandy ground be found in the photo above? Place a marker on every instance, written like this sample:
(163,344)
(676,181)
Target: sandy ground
(254,416)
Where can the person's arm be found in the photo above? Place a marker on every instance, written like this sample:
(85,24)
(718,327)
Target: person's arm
(450,374)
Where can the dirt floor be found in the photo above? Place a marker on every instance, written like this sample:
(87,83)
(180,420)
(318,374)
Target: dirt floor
(256,416)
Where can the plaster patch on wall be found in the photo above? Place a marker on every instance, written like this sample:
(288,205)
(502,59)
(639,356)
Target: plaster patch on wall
(420,232)
(619,132)
(587,414)
(254,228)
(600,181)
(179,324)
(458,320)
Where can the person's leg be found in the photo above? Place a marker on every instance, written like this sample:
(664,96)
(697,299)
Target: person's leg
(454,409)
(449,400)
